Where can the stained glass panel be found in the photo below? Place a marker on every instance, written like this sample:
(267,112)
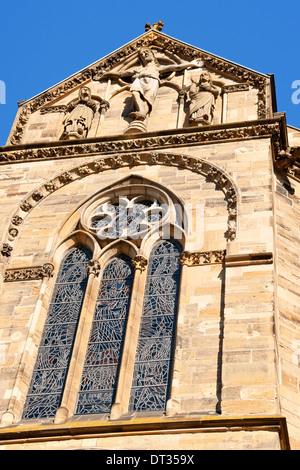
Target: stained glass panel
(127,217)
(100,373)
(55,350)
(154,353)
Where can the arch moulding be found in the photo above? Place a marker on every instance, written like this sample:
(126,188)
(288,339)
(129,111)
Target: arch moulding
(197,165)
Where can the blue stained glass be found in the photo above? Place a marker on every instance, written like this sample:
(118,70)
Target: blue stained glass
(154,352)
(100,372)
(55,350)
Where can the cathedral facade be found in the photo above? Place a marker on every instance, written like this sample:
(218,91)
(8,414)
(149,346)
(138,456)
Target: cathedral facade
(150,258)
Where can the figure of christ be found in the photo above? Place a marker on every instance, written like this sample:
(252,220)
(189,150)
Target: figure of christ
(145,80)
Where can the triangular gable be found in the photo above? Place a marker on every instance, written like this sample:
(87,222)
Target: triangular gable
(179,51)
(155,39)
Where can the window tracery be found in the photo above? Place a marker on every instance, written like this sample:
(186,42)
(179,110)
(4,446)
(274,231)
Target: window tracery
(126,217)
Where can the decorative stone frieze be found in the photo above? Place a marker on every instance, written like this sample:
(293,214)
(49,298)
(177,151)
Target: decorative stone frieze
(235,88)
(29,274)
(212,134)
(54,109)
(188,258)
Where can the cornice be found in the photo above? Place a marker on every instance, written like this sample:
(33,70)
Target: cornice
(25,433)
(273,127)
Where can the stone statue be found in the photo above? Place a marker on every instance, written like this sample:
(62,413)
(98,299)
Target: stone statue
(80,116)
(202,100)
(145,81)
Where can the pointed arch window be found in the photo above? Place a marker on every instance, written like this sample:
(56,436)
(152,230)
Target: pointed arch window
(96,379)
(100,373)
(152,368)
(58,337)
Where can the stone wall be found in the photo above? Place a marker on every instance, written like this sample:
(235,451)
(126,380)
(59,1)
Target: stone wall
(225,355)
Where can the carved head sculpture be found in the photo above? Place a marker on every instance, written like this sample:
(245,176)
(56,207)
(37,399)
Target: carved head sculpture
(146,56)
(84,94)
(205,78)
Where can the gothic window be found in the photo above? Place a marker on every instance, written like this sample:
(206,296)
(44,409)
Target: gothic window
(58,336)
(91,386)
(127,217)
(154,352)
(100,373)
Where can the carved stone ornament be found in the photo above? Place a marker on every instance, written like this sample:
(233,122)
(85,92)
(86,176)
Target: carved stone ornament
(194,164)
(139,263)
(80,116)
(272,128)
(158,26)
(6,250)
(29,274)
(188,258)
(202,100)
(54,109)
(93,267)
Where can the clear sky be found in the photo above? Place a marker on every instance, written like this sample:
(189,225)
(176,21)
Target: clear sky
(42,43)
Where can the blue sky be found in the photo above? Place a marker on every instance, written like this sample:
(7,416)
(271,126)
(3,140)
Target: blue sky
(43,43)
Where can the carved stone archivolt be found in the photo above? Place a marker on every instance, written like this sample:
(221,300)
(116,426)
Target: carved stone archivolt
(207,169)
(189,258)
(29,274)
(150,38)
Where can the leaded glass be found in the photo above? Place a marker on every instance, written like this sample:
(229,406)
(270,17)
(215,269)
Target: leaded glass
(126,217)
(154,352)
(55,350)
(100,372)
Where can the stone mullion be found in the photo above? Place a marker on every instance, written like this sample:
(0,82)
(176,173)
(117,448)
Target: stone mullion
(69,399)
(121,403)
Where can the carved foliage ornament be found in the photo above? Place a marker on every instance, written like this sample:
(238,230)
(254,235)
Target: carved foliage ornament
(188,258)
(270,128)
(29,274)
